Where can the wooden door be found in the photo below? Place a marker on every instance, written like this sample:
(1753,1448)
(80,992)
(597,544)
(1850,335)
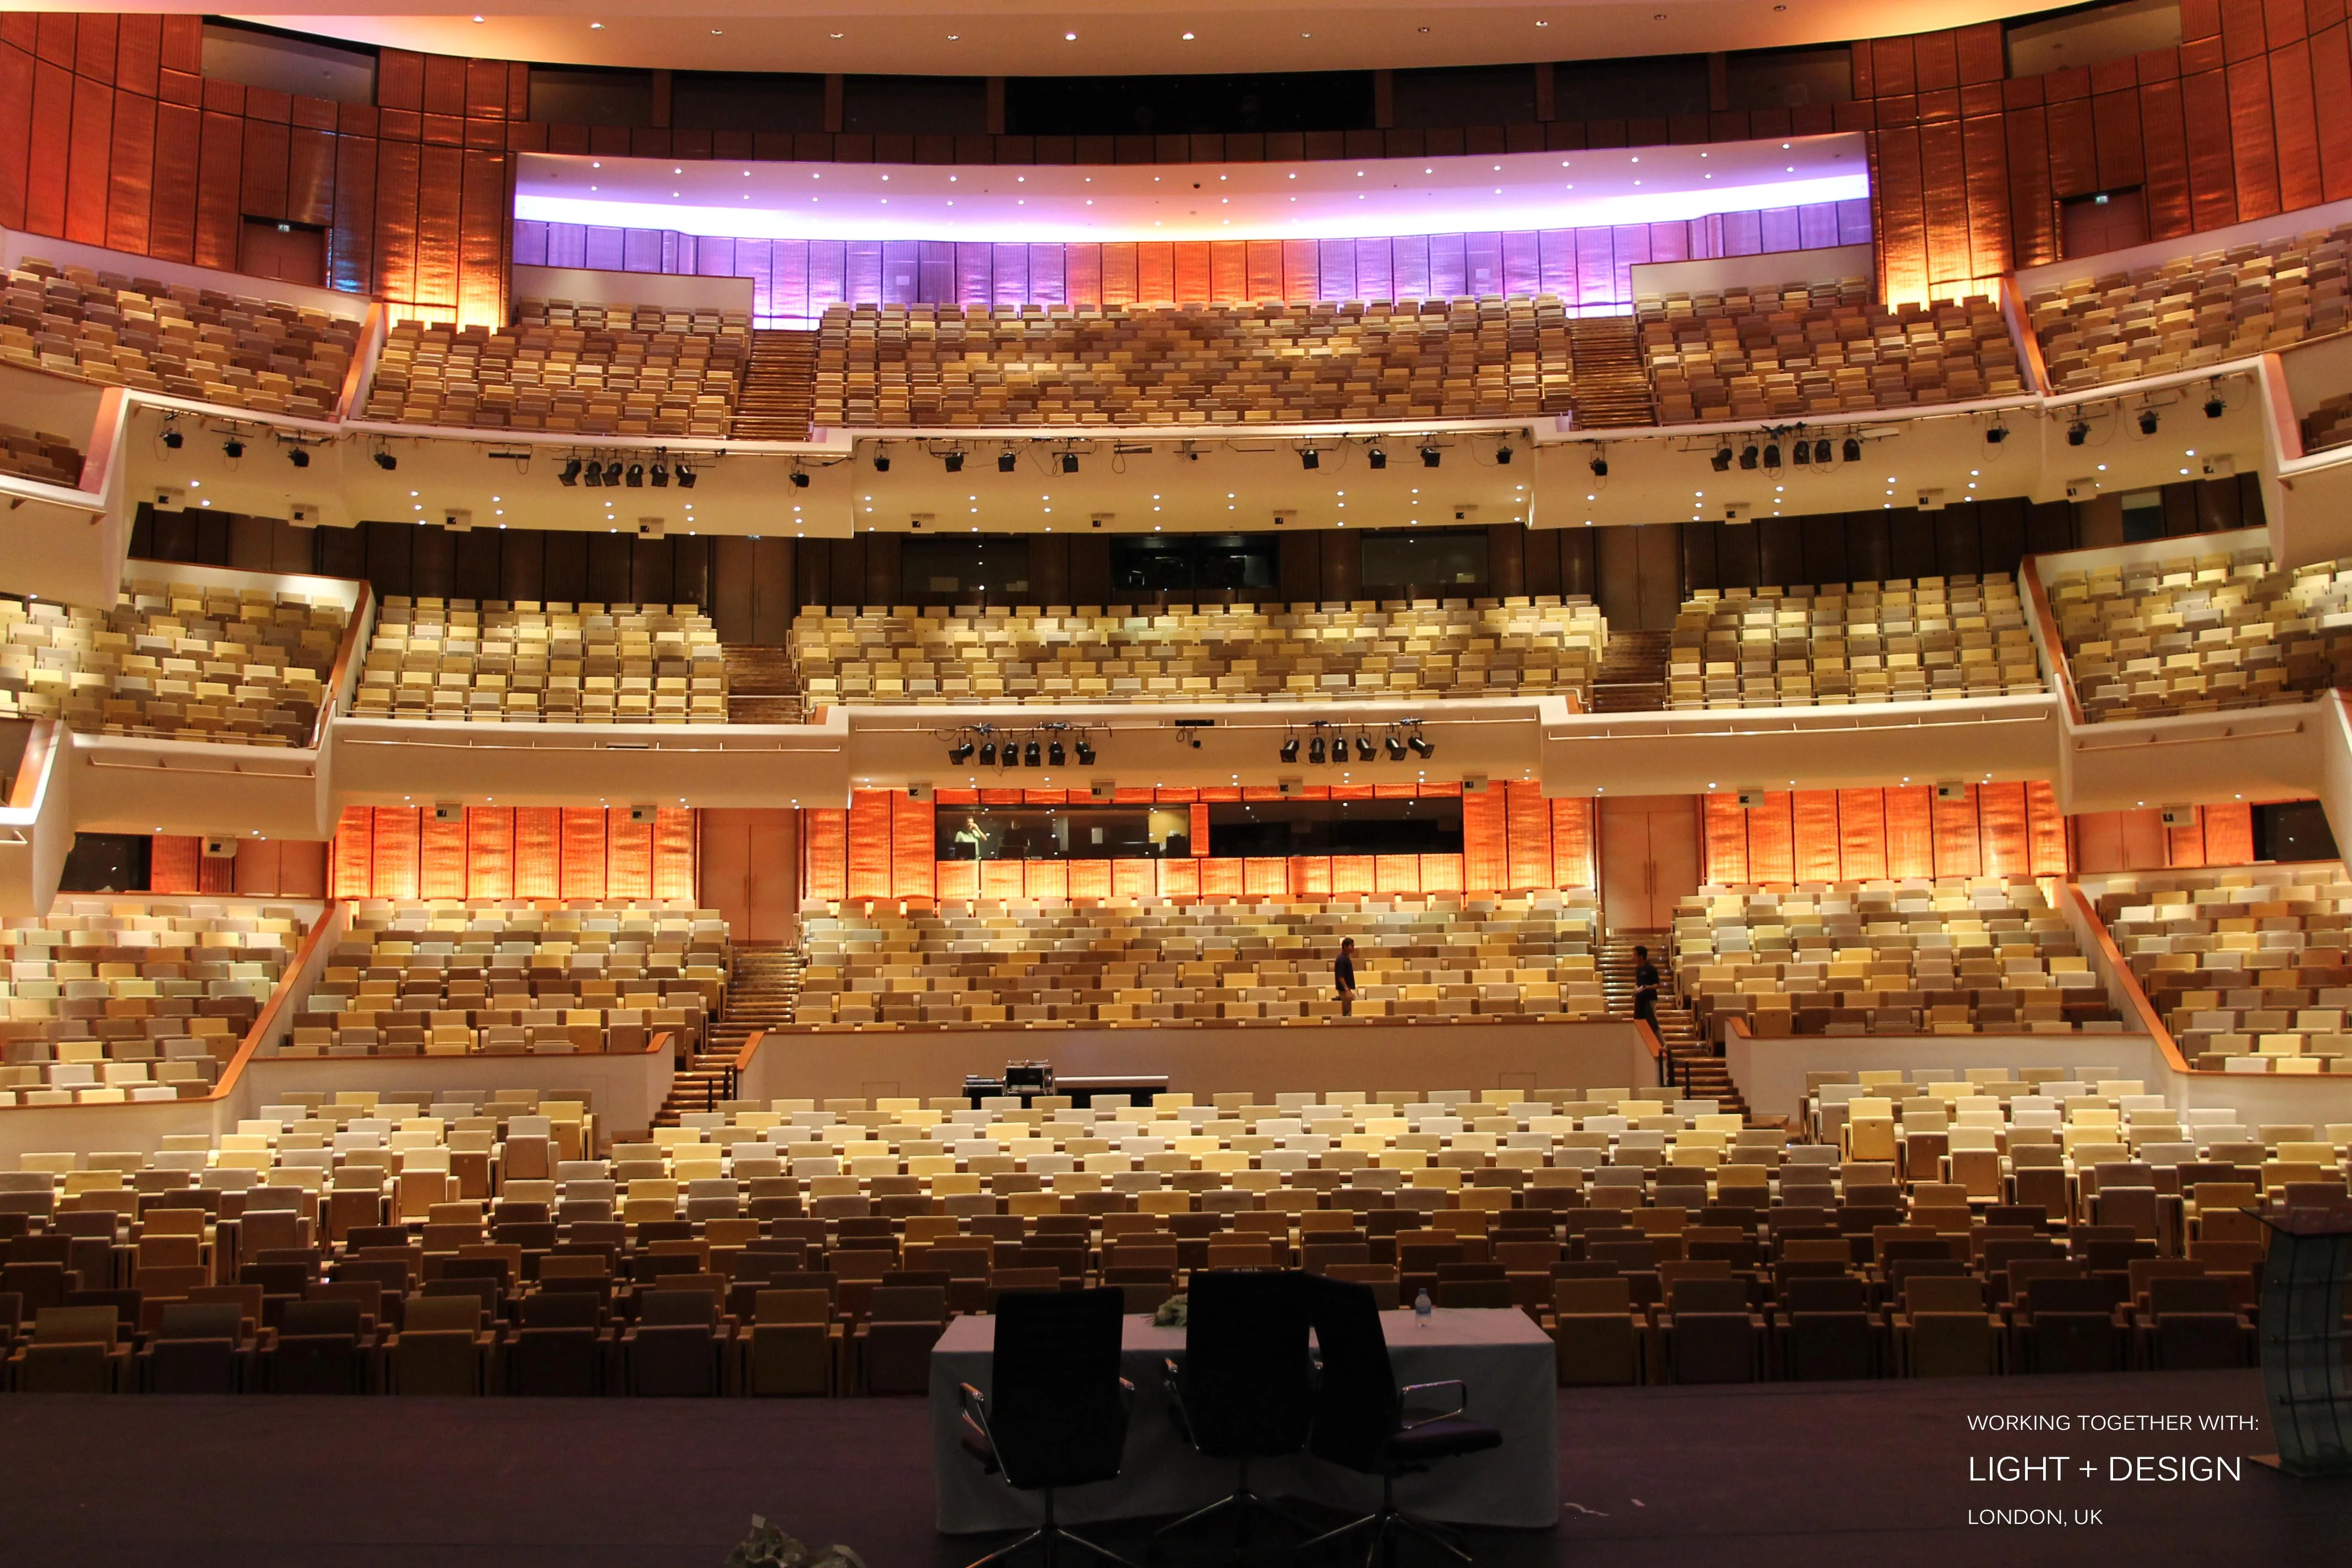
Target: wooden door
(1649,859)
(290,252)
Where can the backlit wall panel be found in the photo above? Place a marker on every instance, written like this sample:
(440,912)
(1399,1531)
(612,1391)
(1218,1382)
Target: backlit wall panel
(528,852)
(1871,835)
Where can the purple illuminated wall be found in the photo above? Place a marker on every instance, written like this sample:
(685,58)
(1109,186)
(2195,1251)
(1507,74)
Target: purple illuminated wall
(794,279)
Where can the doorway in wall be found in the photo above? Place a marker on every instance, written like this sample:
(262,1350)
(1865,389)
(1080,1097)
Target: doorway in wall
(288,252)
(1649,859)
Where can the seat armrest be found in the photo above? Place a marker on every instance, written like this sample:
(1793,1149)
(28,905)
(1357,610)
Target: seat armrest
(1461,1406)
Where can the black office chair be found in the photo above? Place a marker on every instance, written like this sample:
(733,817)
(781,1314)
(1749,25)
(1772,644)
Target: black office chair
(1246,1388)
(1362,1422)
(1057,1414)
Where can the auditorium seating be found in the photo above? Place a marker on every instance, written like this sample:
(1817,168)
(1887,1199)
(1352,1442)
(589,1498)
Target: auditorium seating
(2328,424)
(932,365)
(176,661)
(2190,311)
(2199,634)
(112,1000)
(176,339)
(1210,653)
(1903,641)
(1958,955)
(38,455)
(1785,351)
(2247,968)
(1121,963)
(594,369)
(533,662)
(412,979)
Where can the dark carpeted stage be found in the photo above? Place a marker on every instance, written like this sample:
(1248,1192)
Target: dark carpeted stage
(1757,1476)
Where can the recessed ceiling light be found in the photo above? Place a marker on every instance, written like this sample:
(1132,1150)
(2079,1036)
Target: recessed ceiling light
(1069,37)
(596,27)
(1187,37)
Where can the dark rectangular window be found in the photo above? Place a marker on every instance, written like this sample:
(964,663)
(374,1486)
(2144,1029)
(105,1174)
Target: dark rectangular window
(586,95)
(1642,86)
(305,67)
(970,568)
(1426,559)
(1187,105)
(746,101)
(2086,35)
(915,105)
(1065,833)
(2143,515)
(1154,564)
(1475,95)
(2293,830)
(1790,79)
(107,863)
(1337,826)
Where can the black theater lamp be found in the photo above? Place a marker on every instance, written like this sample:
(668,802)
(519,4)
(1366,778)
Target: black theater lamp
(1365,749)
(1396,748)
(1029,755)
(959,753)
(569,474)
(1290,748)
(1314,751)
(988,753)
(1055,755)
(1422,748)
(1086,753)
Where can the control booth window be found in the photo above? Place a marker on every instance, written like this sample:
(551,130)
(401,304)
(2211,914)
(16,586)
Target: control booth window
(1064,833)
(1425,557)
(1337,827)
(1194,562)
(966,568)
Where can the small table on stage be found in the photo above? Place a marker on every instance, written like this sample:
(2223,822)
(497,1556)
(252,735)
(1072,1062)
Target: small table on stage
(1130,1089)
(1506,1362)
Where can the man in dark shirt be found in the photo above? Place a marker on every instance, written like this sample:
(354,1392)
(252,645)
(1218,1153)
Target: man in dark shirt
(1645,987)
(1343,975)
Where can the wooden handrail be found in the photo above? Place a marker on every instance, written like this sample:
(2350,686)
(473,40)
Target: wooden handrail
(361,376)
(345,653)
(103,436)
(2142,1009)
(24,792)
(2030,571)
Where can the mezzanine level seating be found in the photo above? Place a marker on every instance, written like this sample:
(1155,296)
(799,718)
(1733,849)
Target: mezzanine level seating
(2200,633)
(1210,654)
(897,366)
(175,340)
(1821,348)
(116,1000)
(38,455)
(175,661)
(1909,640)
(529,662)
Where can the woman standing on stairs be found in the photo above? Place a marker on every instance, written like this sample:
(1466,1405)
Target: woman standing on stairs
(1645,987)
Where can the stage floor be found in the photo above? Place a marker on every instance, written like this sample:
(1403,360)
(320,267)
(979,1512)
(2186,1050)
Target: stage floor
(1776,1474)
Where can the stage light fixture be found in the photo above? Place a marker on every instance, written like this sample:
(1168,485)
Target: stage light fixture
(1365,749)
(1748,453)
(569,474)
(1290,748)
(799,479)
(1996,435)
(1822,451)
(1599,466)
(954,462)
(1029,755)
(1085,752)
(386,461)
(1503,456)
(1339,751)
(1801,452)
(1422,748)
(1055,755)
(1851,450)
(231,448)
(1377,457)
(1069,462)
(1310,460)
(613,474)
(298,457)
(988,753)
(1396,747)
(1431,456)
(1721,462)
(1006,462)
(2215,407)
(173,439)
(660,476)
(2077,433)
(881,464)
(1314,751)
(685,478)
(636,476)
(1771,454)
(2148,420)
(959,753)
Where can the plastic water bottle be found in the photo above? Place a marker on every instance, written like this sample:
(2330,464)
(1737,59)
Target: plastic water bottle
(1421,1310)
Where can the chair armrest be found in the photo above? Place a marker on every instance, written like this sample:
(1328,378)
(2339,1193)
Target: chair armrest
(973,1405)
(1461,1402)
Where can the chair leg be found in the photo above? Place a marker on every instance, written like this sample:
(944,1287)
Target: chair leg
(1047,1537)
(1241,1499)
(1384,1530)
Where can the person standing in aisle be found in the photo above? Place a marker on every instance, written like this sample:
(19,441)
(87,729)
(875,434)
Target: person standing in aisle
(1343,975)
(1645,987)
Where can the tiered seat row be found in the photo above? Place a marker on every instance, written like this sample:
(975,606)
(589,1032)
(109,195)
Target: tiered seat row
(1902,641)
(2250,975)
(1125,964)
(2199,634)
(1821,348)
(175,661)
(1210,654)
(431,979)
(176,339)
(2328,424)
(894,365)
(113,1001)
(38,455)
(2192,311)
(529,662)
(620,370)
(1954,956)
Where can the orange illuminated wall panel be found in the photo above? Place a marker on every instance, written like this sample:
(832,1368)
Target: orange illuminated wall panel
(676,852)
(2229,835)
(1002,879)
(1310,876)
(1223,879)
(1862,834)
(1133,879)
(628,856)
(913,863)
(2045,831)
(214,874)
(583,852)
(1441,873)
(869,843)
(1813,814)
(442,862)
(1046,880)
(824,839)
(1527,818)
(1352,873)
(2184,847)
(395,874)
(176,863)
(1396,873)
(490,852)
(1199,830)
(1485,845)
(1954,827)
(1180,878)
(1772,840)
(1726,828)
(1910,839)
(1268,876)
(2006,847)
(539,852)
(1088,880)
(1571,844)
(354,853)
(958,878)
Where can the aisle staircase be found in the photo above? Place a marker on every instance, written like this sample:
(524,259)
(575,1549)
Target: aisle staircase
(778,397)
(763,983)
(1613,389)
(1632,674)
(762,687)
(1690,1060)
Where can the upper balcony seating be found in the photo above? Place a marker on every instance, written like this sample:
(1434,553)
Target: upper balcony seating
(2202,634)
(1958,955)
(174,661)
(2250,975)
(1441,958)
(897,366)
(2329,424)
(197,343)
(1903,641)
(528,663)
(111,1000)
(595,369)
(447,979)
(1823,348)
(1220,652)
(2192,311)
(38,455)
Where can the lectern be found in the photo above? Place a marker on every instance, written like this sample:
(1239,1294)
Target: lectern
(2303,1339)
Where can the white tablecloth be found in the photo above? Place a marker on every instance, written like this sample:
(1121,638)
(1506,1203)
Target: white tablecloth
(1506,1362)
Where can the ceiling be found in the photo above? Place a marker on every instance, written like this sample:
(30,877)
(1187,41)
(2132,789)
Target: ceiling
(954,37)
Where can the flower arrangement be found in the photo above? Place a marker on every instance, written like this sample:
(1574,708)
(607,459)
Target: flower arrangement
(769,1547)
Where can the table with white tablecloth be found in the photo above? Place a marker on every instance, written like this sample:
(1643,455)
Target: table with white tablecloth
(1505,1361)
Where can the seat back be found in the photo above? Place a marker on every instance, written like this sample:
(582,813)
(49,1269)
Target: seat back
(1246,1381)
(677,1309)
(1357,1403)
(1056,1410)
(426,1314)
(560,1309)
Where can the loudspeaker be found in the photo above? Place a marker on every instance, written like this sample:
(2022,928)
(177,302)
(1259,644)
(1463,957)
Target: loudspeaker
(220,849)
(446,811)
(642,813)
